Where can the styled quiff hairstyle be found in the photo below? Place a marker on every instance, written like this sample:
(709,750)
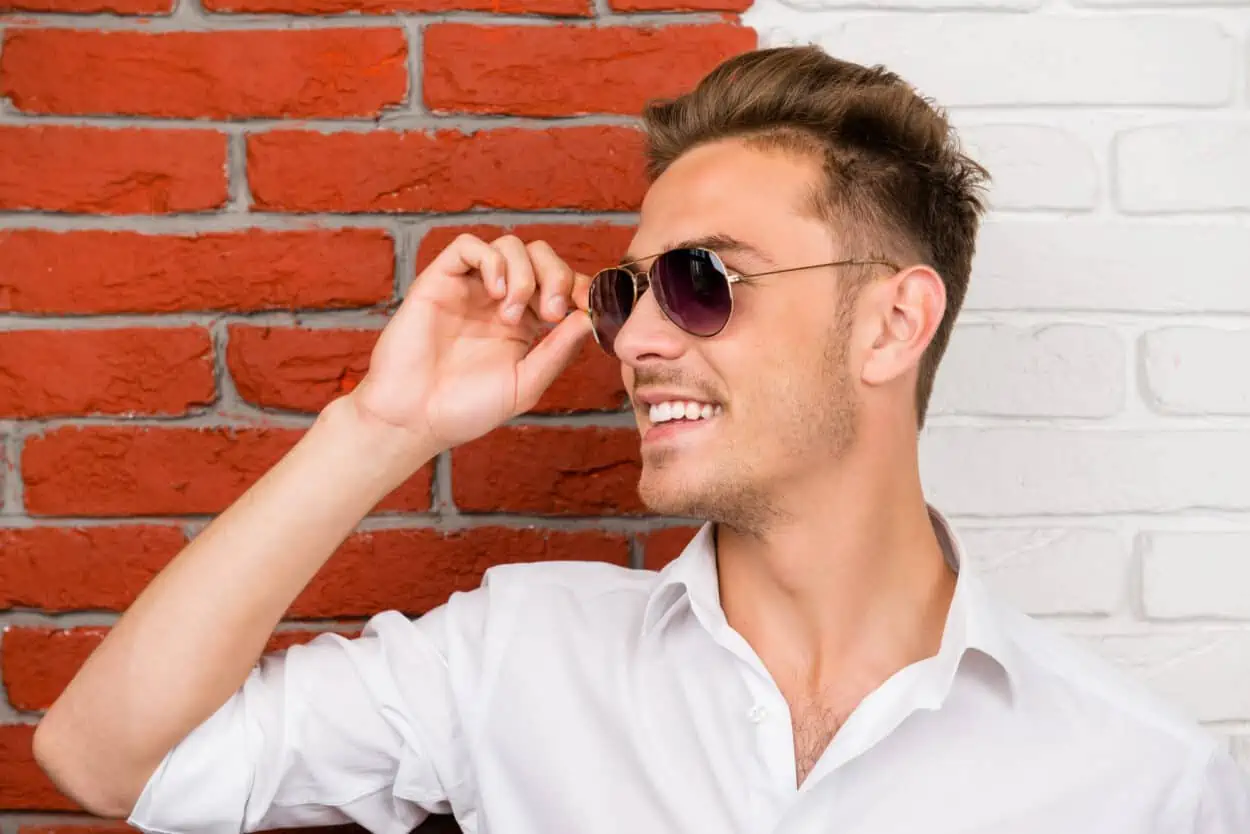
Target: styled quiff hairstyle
(896,183)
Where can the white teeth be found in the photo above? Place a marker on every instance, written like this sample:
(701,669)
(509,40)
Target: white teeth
(683,410)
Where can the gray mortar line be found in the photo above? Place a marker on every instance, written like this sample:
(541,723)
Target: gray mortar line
(435,519)
(196,224)
(240,194)
(189,16)
(416,51)
(13,487)
(395,120)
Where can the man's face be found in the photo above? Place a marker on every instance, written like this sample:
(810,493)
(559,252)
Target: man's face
(778,374)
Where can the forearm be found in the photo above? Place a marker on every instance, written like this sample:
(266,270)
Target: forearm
(190,639)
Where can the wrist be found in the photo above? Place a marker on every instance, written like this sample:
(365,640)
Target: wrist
(388,454)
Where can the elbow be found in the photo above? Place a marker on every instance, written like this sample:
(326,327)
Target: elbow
(95,782)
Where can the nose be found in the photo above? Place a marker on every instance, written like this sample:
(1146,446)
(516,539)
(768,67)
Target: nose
(648,335)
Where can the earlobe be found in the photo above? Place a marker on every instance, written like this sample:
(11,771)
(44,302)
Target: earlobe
(912,305)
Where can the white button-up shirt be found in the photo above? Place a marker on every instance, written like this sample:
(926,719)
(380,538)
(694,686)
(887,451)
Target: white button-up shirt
(584,698)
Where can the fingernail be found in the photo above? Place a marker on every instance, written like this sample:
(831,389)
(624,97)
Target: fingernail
(501,285)
(556,306)
(512,313)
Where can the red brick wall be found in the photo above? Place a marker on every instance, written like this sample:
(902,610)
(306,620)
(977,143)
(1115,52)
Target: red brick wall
(204,219)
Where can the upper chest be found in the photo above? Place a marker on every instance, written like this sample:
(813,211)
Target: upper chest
(691,738)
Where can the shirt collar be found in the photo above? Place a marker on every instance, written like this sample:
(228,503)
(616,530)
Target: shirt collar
(972,624)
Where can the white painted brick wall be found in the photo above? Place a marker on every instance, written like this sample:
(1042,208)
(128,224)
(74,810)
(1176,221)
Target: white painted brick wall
(1187,574)
(1192,166)
(1035,166)
(1035,565)
(1193,370)
(1056,370)
(1090,431)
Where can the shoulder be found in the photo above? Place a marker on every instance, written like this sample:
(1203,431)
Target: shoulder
(1095,697)
(511,599)
(1092,671)
(560,592)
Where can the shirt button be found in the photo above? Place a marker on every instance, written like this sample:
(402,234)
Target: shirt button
(757,713)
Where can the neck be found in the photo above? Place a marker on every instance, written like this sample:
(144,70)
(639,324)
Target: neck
(849,586)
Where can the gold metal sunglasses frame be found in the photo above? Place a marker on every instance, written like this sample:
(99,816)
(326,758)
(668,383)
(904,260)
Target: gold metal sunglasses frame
(732,277)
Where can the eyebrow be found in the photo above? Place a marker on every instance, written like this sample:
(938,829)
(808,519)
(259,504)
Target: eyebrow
(721,244)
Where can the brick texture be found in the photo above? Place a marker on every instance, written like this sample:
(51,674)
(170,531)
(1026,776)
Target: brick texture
(1178,168)
(1058,370)
(219,75)
(44,567)
(548,471)
(555,8)
(679,5)
(122,471)
(588,168)
(90,170)
(563,71)
(95,272)
(50,373)
(117,7)
(23,786)
(1018,60)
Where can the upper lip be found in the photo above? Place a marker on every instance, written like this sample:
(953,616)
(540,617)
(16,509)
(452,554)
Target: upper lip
(654,396)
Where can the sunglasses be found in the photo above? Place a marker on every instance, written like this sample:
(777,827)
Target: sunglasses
(692,288)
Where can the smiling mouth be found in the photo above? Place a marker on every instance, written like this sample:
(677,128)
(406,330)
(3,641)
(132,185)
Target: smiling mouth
(688,411)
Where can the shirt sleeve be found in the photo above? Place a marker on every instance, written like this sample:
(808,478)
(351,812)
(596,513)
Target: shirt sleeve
(1224,797)
(338,730)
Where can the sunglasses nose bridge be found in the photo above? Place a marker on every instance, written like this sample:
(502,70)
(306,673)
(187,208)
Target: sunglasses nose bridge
(648,330)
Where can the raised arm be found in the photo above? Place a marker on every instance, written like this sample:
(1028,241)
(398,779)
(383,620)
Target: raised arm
(450,366)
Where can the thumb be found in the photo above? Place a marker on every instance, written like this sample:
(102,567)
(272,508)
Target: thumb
(549,358)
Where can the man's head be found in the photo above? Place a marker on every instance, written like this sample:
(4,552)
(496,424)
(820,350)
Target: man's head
(785,158)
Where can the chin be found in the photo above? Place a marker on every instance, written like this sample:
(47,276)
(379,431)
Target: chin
(706,495)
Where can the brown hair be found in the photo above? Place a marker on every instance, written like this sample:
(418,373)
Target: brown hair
(895,176)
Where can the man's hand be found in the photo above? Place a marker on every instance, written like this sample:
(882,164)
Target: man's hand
(458,359)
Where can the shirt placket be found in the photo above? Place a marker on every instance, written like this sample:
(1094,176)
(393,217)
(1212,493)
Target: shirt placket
(764,727)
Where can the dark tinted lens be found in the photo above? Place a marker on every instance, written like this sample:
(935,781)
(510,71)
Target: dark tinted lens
(693,290)
(611,302)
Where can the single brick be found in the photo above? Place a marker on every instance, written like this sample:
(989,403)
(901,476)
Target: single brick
(549,471)
(556,8)
(96,272)
(303,73)
(567,70)
(596,168)
(91,170)
(121,470)
(50,373)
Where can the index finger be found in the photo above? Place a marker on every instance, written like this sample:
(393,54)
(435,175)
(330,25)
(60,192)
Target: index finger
(467,254)
(581,290)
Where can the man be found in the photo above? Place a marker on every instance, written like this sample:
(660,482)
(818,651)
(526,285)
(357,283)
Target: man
(820,658)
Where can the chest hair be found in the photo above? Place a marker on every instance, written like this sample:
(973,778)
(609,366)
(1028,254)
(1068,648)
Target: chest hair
(814,724)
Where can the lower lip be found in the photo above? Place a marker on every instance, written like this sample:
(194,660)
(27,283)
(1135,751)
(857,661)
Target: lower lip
(673,429)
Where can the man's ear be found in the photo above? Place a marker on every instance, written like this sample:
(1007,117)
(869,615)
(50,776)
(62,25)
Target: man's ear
(904,313)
